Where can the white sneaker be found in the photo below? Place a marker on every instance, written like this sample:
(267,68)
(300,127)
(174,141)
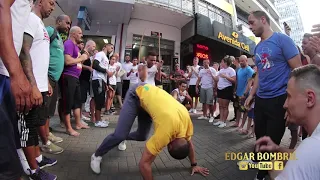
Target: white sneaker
(84,118)
(105,122)
(95,164)
(100,124)
(217,123)
(191,110)
(122,146)
(211,120)
(202,117)
(194,111)
(84,123)
(222,125)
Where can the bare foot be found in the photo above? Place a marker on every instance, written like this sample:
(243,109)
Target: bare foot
(82,126)
(73,133)
(235,125)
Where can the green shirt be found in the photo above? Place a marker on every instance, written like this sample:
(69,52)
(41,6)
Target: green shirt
(56,64)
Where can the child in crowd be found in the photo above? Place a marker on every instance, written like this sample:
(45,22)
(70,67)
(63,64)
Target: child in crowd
(250,109)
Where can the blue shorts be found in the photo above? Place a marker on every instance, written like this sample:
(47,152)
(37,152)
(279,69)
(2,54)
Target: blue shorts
(251,113)
(10,166)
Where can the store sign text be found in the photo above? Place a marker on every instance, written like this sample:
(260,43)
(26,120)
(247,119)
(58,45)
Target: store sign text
(202,55)
(233,41)
(202,47)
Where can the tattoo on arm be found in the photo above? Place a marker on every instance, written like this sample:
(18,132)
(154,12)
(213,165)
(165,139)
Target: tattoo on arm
(25,58)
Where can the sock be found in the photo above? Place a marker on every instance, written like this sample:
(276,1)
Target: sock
(39,159)
(24,162)
(33,171)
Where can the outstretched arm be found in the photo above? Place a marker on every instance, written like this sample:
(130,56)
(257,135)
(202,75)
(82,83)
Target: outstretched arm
(145,164)
(195,168)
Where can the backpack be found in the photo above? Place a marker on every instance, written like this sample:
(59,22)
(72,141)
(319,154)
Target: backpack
(54,35)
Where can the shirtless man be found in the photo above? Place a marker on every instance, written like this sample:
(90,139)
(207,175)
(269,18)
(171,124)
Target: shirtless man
(174,131)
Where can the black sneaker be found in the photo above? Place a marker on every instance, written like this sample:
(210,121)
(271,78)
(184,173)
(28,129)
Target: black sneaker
(42,175)
(47,162)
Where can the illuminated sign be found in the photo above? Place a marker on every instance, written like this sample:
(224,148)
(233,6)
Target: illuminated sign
(234,40)
(202,55)
(202,47)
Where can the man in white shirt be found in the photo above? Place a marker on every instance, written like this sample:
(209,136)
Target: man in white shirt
(153,68)
(19,98)
(127,66)
(303,106)
(99,82)
(133,73)
(207,77)
(34,57)
(194,75)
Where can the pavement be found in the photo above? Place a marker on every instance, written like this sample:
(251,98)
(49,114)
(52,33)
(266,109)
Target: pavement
(210,143)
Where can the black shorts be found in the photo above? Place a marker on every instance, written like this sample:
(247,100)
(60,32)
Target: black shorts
(30,122)
(10,166)
(70,93)
(85,89)
(226,93)
(52,100)
(125,87)
(119,89)
(99,92)
(192,91)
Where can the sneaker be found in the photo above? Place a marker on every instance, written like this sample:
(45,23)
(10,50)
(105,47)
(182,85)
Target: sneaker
(51,148)
(105,122)
(211,120)
(217,117)
(222,125)
(217,123)
(54,138)
(47,162)
(202,117)
(85,118)
(194,111)
(42,175)
(84,123)
(95,163)
(122,146)
(100,124)
(191,110)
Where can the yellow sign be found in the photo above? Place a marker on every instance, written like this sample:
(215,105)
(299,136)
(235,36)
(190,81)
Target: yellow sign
(278,165)
(277,156)
(223,4)
(234,41)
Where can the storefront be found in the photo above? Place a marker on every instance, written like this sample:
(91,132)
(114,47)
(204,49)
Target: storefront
(213,40)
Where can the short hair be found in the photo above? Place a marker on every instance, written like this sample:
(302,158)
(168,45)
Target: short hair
(134,58)
(179,149)
(61,18)
(307,76)
(307,35)
(90,42)
(232,58)
(215,63)
(151,53)
(260,14)
(182,82)
(227,60)
(108,44)
(113,56)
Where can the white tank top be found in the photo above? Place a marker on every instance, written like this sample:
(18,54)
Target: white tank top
(181,98)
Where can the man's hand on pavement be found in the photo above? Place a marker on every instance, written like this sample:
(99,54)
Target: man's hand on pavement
(201,170)
(21,91)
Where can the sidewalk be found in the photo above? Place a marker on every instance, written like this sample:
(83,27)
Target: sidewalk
(210,144)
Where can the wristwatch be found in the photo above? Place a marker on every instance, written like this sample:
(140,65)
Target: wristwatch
(193,164)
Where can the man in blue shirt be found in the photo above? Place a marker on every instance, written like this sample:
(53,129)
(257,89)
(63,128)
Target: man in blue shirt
(244,73)
(275,56)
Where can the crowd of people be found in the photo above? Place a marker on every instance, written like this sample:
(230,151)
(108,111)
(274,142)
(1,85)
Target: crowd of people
(38,70)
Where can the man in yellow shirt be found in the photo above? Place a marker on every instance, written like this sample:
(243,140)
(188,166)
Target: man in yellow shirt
(172,127)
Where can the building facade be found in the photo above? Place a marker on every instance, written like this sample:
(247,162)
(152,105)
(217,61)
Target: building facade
(177,30)
(289,12)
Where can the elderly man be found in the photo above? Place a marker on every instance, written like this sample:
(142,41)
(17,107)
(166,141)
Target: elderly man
(303,106)
(173,127)
(69,81)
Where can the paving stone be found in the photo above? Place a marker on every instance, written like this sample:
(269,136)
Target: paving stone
(210,143)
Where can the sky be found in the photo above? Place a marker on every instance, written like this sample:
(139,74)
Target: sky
(310,13)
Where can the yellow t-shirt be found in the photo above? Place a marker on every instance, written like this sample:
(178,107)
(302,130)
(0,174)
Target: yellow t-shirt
(171,119)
